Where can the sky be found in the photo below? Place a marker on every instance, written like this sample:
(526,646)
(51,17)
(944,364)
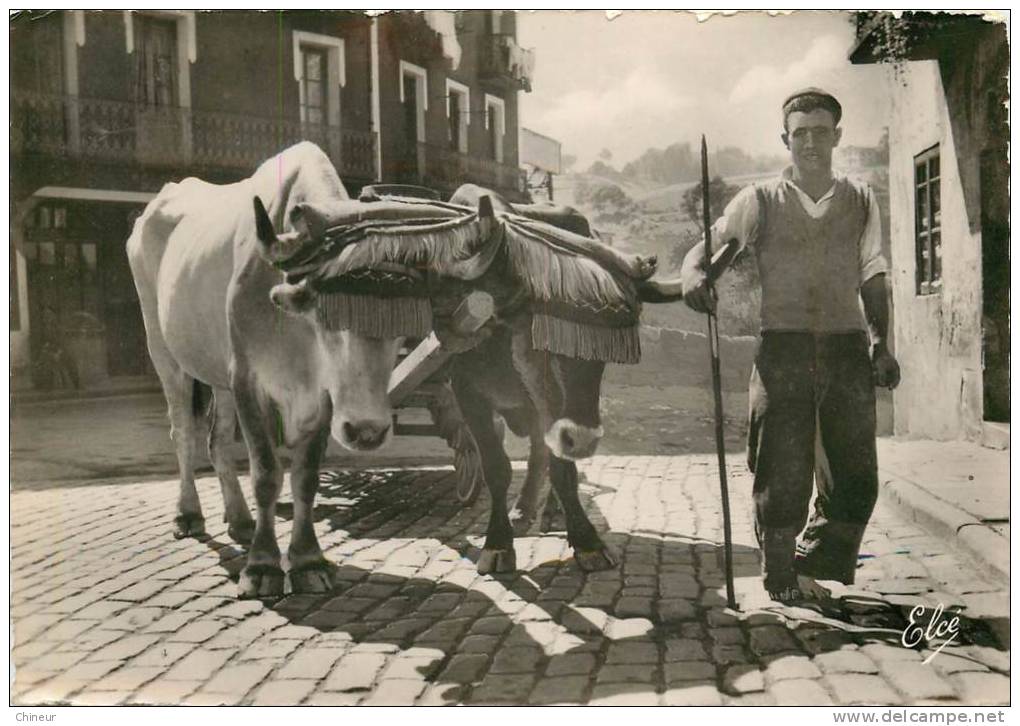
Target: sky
(653,78)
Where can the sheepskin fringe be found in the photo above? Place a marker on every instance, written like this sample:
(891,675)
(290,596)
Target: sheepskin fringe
(551,272)
(436,246)
(587,342)
(376,317)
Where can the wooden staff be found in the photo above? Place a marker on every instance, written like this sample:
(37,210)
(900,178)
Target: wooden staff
(713,338)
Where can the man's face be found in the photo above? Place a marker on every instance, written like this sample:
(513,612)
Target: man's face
(811,136)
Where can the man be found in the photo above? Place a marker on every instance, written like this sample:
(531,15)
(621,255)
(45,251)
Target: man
(816,239)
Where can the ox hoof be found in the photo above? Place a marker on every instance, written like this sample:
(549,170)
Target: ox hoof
(595,560)
(494,562)
(189,525)
(242,532)
(552,521)
(260,581)
(312,579)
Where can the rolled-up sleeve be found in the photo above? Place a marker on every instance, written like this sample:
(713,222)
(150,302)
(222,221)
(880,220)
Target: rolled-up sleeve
(739,220)
(873,260)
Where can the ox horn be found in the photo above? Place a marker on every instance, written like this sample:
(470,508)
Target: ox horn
(660,291)
(666,291)
(486,217)
(263,224)
(275,248)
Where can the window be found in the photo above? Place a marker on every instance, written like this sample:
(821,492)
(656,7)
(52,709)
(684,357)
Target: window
(319,69)
(156,61)
(61,267)
(164,44)
(928,221)
(414,94)
(458,113)
(313,96)
(495,125)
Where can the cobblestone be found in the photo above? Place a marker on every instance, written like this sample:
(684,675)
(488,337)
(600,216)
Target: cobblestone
(917,680)
(132,616)
(861,690)
(799,692)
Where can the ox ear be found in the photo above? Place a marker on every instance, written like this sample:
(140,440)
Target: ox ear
(263,224)
(274,248)
(293,298)
(307,219)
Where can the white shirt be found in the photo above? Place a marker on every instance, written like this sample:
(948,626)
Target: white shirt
(741,217)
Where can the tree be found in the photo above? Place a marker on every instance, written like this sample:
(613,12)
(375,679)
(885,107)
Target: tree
(606,155)
(720,193)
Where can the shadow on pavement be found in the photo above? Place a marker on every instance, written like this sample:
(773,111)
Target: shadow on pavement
(657,624)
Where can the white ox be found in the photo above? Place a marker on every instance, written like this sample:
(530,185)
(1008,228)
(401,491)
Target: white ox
(212,311)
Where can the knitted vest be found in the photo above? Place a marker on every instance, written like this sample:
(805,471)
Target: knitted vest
(809,268)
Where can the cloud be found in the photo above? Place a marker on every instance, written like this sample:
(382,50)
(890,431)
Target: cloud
(588,119)
(826,55)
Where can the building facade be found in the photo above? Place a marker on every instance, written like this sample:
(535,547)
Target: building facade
(949,198)
(106,107)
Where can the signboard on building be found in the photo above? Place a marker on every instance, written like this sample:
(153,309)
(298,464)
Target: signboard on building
(540,151)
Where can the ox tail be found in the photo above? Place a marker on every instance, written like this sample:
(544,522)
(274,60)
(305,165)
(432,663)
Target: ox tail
(202,407)
(201,399)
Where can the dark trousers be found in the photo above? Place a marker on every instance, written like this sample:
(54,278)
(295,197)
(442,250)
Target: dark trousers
(811,390)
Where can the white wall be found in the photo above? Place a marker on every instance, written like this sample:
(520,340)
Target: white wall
(19,338)
(938,337)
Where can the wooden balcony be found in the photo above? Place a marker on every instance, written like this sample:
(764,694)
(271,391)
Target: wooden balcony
(130,133)
(448,169)
(503,60)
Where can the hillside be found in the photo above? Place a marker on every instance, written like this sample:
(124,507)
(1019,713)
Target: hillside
(641,216)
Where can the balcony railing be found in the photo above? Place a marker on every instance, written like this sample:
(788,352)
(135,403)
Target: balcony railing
(446,168)
(127,132)
(502,58)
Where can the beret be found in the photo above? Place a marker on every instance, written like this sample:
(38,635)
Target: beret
(812,91)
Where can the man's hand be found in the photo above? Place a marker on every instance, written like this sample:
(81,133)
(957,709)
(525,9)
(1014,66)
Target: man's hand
(884,366)
(697,293)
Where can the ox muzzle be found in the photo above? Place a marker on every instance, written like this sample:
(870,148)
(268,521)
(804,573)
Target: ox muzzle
(570,440)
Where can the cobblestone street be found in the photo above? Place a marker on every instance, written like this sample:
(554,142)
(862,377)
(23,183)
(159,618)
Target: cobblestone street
(109,609)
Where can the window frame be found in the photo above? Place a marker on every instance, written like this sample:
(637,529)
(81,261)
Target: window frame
(928,274)
(464,121)
(421,79)
(497,103)
(336,71)
(187,45)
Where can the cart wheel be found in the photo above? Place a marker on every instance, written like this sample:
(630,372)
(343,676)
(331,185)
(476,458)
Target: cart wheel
(468,467)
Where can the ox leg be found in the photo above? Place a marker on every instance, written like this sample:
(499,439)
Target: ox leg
(181,401)
(528,507)
(261,576)
(498,552)
(240,525)
(590,551)
(310,571)
(179,390)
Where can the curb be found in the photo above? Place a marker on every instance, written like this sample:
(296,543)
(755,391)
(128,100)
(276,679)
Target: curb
(963,531)
(31,397)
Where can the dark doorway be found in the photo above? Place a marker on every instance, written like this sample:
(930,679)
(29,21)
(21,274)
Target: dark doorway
(126,353)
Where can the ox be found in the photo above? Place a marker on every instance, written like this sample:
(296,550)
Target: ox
(551,398)
(216,314)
